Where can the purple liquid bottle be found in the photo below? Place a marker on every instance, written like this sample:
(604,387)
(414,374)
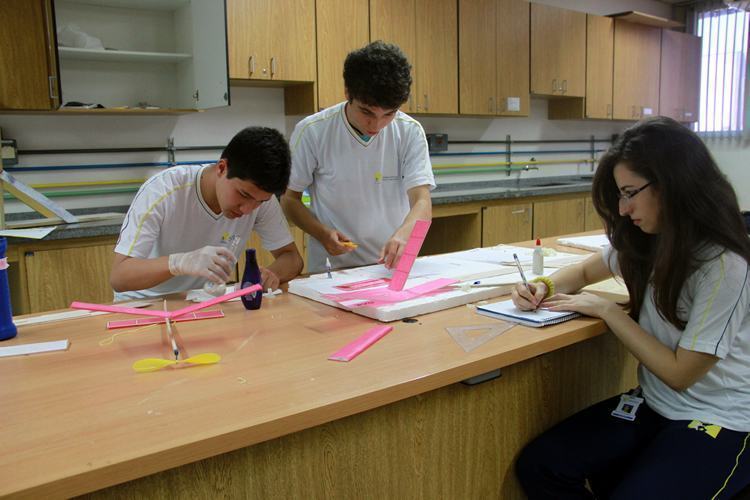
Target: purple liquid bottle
(250,277)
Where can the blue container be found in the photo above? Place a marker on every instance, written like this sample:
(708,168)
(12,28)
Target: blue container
(7,328)
(250,277)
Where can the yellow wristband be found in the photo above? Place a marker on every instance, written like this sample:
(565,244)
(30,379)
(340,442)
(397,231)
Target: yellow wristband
(550,284)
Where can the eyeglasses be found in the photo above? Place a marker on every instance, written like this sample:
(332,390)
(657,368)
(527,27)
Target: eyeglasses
(626,196)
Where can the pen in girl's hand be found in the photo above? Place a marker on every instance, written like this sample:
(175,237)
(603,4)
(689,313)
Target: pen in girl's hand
(523,277)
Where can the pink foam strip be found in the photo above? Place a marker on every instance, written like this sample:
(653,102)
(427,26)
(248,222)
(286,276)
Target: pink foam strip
(431,286)
(126,323)
(356,347)
(357,285)
(398,280)
(416,238)
(166,314)
(420,228)
(119,309)
(215,300)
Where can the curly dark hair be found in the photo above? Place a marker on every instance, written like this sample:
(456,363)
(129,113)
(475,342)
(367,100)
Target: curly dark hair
(378,74)
(698,207)
(260,155)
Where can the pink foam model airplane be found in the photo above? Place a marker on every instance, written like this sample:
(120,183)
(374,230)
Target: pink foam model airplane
(171,315)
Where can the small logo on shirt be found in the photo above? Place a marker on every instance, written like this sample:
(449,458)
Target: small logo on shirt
(379,177)
(710,429)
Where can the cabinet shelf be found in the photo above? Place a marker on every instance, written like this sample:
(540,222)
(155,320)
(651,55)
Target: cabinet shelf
(121,55)
(128,111)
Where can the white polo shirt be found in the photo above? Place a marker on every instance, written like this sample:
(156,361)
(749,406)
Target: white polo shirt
(169,215)
(715,302)
(357,187)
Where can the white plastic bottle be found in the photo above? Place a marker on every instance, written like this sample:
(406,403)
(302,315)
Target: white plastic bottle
(537,266)
(216,289)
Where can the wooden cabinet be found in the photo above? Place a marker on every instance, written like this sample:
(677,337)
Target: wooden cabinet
(454,227)
(426,31)
(558,216)
(28,60)
(271,40)
(558,51)
(506,223)
(265,258)
(493,57)
(591,220)
(342,26)
(50,275)
(636,70)
(159,55)
(679,89)
(600,40)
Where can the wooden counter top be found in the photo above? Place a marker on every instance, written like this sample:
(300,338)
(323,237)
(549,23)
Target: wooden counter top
(81,420)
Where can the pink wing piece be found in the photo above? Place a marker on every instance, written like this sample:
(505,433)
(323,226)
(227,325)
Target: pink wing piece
(127,323)
(405,263)
(383,296)
(118,309)
(166,314)
(216,300)
(357,346)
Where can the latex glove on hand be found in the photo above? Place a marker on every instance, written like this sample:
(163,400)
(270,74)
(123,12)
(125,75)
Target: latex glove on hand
(213,263)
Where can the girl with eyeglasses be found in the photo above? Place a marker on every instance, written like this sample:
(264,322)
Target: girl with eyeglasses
(679,243)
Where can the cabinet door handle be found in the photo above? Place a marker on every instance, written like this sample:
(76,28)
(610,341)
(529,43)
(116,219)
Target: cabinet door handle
(564,87)
(251,65)
(554,85)
(52,86)
(518,211)
(273,66)
(491,107)
(609,111)
(426,103)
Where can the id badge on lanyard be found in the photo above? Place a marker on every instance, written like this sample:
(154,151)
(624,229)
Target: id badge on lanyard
(627,408)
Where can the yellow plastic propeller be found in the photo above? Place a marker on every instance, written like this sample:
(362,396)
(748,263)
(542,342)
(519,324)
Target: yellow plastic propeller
(153,364)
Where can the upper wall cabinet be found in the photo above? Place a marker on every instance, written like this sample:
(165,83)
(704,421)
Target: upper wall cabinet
(636,70)
(342,26)
(28,63)
(600,40)
(679,91)
(426,30)
(493,57)
(558,51)
(143,55)
(271,40)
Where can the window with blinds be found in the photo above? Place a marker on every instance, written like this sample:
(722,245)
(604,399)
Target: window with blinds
(724,35)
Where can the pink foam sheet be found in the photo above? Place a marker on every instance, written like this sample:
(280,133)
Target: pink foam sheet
(375,297)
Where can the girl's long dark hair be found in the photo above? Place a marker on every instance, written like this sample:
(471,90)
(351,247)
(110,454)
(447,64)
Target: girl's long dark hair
(698,208)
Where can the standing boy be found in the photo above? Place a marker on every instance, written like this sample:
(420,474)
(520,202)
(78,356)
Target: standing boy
(365,165)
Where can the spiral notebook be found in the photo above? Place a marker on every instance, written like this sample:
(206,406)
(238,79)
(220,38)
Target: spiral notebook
(541,317)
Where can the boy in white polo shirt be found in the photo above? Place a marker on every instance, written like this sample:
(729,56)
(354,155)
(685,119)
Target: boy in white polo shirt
(174,235)
(365,165)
